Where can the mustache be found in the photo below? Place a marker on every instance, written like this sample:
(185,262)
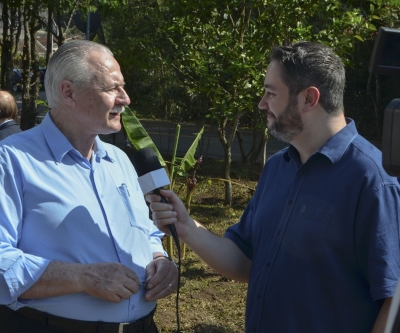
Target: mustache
(118,109)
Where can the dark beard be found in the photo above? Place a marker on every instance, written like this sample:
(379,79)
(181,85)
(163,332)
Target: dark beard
(289,124)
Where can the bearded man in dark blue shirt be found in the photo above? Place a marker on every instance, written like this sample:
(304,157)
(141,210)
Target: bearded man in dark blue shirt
(318,243)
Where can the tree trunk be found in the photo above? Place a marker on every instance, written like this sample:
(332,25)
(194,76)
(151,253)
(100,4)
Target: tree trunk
(34,87)
(227,160)
(60,35)
(227,174)
(258,142)
(100,35)
(7,50)
(30,59)
(49,50)
(254,153)
(227,145)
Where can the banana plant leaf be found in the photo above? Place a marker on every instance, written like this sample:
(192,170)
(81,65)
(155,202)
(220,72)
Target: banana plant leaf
(188,161)
(136,133)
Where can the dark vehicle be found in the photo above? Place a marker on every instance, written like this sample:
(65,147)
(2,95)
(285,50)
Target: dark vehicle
(42,74)
(17,80)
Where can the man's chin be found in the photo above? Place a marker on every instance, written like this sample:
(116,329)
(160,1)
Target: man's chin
(113,128)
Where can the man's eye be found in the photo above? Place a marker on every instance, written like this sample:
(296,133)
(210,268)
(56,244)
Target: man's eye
(270,94)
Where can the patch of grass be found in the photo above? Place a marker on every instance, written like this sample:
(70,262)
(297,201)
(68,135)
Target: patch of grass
(209,302)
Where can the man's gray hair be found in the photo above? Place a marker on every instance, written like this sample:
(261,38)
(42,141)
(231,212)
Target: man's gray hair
(69,62)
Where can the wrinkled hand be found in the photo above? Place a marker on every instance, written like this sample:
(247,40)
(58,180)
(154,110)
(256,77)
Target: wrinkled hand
(162,279)
(110,281)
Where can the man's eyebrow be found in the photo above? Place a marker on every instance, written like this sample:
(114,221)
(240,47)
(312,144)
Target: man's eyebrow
(270,86)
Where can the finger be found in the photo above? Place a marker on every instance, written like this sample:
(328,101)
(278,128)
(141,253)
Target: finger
(164,215)
(132,276)
(131,284)
(152,198)
(124,293)
(162,283)
(158,293)
(115,298)
(159,206)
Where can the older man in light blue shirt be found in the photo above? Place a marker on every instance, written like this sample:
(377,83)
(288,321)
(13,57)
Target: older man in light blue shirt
(76,241)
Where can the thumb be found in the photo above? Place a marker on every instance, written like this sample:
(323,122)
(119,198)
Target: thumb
(171,196)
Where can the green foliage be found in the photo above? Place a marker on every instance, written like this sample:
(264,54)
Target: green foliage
(185,164)
(205,60)
(179,166)
(137,134)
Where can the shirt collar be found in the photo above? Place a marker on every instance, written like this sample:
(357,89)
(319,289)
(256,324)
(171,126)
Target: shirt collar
(335,147)
(6,121)
(60,146)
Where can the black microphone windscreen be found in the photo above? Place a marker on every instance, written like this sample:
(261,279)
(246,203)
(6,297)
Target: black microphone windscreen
(145,160)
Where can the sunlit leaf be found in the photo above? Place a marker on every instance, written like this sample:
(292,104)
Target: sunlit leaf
(188,161)
(136,133)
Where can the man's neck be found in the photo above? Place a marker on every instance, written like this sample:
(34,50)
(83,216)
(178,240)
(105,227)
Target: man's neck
(316,133)
(77,137)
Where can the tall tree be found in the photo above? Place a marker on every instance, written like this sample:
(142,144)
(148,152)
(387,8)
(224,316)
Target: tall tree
(221,48)
(11,17)
(30,61)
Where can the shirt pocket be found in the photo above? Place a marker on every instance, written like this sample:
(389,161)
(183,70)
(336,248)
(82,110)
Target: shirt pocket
(135,206)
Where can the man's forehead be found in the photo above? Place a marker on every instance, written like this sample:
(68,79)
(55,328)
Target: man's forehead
(103,63)
(273,75)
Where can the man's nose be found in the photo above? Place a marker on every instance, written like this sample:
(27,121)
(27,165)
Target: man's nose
(123,97)
(263,104)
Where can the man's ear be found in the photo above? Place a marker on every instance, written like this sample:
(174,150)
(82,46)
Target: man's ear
(67,92)
(311,98)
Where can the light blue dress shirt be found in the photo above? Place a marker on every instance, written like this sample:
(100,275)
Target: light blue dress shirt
(56,205)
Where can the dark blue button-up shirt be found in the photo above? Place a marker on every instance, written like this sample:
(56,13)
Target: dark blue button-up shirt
(323,238)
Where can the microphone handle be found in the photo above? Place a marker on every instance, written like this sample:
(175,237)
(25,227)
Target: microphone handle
(171,227)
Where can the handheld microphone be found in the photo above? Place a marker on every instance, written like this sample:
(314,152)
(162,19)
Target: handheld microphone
(152,177)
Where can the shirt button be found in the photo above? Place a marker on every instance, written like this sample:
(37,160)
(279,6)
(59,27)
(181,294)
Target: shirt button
(258,297)
(268,264)
(290,202)
(280,232)
(101,196)
(111,223)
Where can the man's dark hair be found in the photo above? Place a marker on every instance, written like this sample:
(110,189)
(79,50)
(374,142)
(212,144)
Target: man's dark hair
(306,64)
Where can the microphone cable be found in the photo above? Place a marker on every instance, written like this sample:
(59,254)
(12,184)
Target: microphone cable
(174,235)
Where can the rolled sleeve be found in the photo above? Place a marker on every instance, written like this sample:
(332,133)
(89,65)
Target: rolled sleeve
(18,270)
(19,277)
(155,240)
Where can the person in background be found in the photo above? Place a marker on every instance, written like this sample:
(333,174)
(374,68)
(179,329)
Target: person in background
(8,115)
(318,243)
(78,252)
